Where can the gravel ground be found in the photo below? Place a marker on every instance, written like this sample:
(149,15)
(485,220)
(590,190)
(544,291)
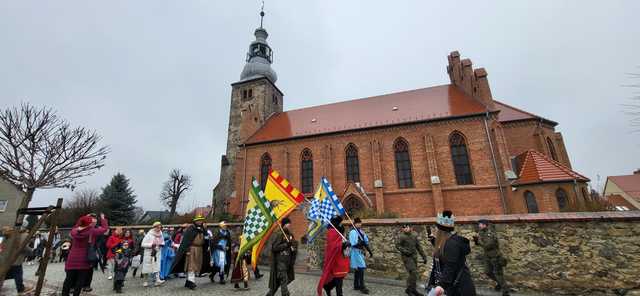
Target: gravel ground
(304,285)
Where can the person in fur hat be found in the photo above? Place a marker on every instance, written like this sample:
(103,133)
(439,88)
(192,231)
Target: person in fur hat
(449,270)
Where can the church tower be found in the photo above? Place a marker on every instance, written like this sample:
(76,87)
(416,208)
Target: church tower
(254,98)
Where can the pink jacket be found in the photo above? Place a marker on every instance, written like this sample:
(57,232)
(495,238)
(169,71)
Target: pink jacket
(77,259)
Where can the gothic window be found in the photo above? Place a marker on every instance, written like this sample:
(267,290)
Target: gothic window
(306,171)
(552,150)
(353,165)
(265,167)
(250,93)
(403,163)
(460,159)
(561,196)
(530,200)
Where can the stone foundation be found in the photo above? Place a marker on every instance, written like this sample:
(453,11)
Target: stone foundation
(560,253)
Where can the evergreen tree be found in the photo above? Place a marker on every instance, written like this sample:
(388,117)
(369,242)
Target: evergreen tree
(118,201)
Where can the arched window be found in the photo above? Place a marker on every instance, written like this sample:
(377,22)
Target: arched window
(552,149)
(532,204)
(460,159)
(306,170)
(353,165)
(561,196)
(403,163)
(265,167)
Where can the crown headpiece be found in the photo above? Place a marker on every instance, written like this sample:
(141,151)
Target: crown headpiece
(446,219)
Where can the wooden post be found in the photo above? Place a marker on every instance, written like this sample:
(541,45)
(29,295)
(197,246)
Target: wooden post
(42,268)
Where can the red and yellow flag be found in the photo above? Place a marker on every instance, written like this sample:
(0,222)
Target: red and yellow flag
(283,199)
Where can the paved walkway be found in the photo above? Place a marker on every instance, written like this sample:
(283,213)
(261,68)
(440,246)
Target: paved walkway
(304,285)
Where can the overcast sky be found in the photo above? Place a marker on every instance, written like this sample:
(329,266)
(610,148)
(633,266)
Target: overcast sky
(153,77)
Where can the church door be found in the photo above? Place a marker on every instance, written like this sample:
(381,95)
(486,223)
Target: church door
(352,204)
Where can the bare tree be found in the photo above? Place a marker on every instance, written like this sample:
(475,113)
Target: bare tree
(633,108)
(173,189)
(81,203)
(39,150)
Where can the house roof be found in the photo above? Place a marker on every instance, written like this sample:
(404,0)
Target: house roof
(154,215)
(509,113)
(535,167)
(419,105)
(629,184)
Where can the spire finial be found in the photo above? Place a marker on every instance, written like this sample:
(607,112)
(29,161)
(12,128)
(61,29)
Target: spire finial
(261,13)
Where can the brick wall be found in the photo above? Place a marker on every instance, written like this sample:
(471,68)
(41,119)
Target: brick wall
(377,162)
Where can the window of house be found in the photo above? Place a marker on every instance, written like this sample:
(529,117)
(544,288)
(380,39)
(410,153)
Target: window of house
(353,166)
(306,171)
(460,159)
(530,200)
(552,149)
(403,163)
(265,167)
(561,196)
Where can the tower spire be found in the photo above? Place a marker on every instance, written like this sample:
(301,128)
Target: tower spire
(261,13)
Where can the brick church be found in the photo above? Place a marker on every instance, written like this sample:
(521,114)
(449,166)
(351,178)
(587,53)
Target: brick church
(412,153)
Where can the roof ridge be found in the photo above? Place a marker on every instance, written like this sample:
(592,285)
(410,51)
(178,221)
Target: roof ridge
(523,111)
(369,97)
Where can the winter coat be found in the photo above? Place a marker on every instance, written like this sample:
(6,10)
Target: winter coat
(283,257)
(152,256)
(358,240)
(113,241)
(450,269)
(77,258)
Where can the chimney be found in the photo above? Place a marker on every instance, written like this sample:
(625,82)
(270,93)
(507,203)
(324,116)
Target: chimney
(473,82)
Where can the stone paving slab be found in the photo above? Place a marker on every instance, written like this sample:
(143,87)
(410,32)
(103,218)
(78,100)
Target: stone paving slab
(304,285)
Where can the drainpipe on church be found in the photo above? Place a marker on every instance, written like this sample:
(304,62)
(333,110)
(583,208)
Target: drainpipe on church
(495,164)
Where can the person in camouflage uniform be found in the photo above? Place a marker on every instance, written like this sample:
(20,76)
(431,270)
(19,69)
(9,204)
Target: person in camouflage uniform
(284,250)
(409,248)
(493,260)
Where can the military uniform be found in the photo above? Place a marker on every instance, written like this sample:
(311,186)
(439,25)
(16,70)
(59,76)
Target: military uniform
(493,260)
(284,253)
(409,248)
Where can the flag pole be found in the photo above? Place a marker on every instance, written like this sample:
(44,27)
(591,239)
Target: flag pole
(338,231)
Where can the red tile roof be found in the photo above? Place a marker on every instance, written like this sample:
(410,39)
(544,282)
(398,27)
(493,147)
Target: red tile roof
(510,113)
(535,167)
(432,103)
(629,184)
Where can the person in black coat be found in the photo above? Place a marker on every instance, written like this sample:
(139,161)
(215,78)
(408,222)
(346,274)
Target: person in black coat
(198,231)
(449,269)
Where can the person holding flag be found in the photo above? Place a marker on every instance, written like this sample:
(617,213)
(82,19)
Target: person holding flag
(359,243)
(284,250)
(335,266)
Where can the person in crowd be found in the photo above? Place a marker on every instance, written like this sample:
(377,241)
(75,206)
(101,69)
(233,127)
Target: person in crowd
(151,244)
(56,242)
(64,250)
(409,248)
(335,265)
(221,252)
(122,259)
(15,271)
(35,244)
(359,244)
(137,251)
(492,257)
(100,243)
(168,254)
(284,249)
(177,239)
(449,270)
(128,236)
(77,266)
(240,271)
(114,240)
(190,255)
